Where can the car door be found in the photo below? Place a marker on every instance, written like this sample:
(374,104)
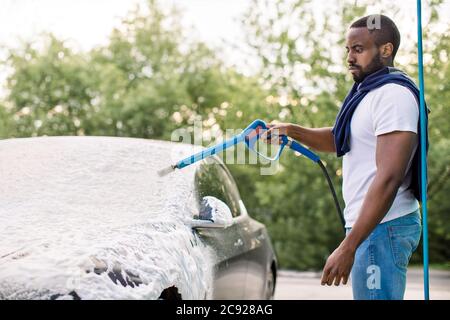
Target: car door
(259,277)
(212,180)
(257,249)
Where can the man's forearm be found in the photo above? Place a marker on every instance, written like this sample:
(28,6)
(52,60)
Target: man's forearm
(319,139)
(377,202)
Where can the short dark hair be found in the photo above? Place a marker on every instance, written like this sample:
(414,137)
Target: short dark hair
(383,29)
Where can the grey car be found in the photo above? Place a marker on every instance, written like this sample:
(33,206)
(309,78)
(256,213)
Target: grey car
(89,218)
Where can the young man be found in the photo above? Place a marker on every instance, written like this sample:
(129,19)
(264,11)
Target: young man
(376,132)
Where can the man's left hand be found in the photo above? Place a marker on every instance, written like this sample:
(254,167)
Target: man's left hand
(338,266)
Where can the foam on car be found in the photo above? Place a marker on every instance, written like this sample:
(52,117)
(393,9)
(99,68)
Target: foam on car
(69,202)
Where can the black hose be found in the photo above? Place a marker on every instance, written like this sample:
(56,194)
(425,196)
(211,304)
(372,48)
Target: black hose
(336,201)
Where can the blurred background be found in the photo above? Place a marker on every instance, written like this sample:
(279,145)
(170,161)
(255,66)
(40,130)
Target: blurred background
(143,68)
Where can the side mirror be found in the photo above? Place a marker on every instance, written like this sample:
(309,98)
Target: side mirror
(213,213)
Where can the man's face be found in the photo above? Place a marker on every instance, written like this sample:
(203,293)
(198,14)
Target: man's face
(363,55)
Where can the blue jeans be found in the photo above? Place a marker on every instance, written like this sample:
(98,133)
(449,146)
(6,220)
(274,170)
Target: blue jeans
(381,261)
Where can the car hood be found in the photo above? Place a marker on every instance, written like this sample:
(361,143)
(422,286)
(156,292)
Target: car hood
(80,214)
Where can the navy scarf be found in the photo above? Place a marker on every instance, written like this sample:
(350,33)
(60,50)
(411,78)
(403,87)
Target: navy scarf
(341,129)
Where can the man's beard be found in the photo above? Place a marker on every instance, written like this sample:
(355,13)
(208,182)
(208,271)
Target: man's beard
(375,65)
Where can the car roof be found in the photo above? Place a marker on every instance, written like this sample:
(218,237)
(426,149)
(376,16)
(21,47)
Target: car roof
(87,171)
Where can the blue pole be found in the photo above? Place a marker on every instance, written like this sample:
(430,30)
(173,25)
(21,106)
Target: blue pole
(423,157)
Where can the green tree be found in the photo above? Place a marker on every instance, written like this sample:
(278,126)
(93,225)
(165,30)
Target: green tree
(148,80)
(5,122)
(48,91)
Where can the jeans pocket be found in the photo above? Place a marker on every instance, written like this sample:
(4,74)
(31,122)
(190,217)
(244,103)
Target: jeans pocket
(404,240)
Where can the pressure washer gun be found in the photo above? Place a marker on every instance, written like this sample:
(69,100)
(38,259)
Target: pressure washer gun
(251,136)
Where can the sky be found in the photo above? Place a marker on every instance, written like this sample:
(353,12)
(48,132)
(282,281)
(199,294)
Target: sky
(88,23)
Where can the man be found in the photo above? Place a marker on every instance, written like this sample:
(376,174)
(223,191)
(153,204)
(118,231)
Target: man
(376,132)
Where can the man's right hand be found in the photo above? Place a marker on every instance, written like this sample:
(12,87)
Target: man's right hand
(272,135)
(318,139)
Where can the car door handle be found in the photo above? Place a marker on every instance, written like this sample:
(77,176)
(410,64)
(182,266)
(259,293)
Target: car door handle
(238,242)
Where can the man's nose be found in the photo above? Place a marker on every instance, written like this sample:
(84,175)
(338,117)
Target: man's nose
(351,58)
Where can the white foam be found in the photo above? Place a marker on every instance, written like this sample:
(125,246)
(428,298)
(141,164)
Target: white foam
(221,212)
(66,202)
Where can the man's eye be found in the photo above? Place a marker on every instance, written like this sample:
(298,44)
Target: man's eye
(359,50)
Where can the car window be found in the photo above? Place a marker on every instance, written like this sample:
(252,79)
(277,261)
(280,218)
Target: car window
(211,179)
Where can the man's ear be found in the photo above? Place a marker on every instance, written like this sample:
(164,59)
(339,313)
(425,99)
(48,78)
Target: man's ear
(386,50)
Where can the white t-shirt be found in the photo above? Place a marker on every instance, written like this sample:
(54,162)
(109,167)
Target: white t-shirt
(386,109)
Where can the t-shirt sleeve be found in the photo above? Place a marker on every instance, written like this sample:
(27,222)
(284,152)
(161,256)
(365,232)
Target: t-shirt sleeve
(394,108)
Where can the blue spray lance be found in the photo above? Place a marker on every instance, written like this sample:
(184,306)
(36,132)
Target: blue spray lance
(250,136)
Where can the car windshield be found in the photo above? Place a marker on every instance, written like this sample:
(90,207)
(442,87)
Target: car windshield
(64,200)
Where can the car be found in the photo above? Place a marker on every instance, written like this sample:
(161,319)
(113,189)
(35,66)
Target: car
(88,217)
